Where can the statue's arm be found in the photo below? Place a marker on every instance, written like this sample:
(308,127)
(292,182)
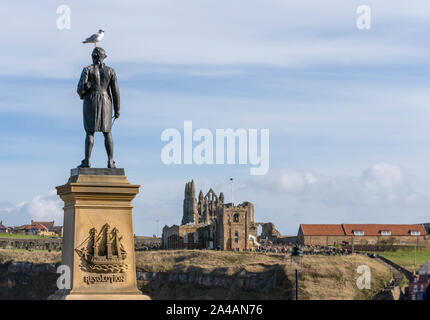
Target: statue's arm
(83,84)
(115,93)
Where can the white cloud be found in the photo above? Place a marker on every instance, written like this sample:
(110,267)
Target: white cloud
(382,193)
(45,207)
(292,182)
(383,175)
(379,182)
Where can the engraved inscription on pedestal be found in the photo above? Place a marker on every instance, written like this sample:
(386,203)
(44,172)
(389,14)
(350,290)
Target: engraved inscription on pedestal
(102,252)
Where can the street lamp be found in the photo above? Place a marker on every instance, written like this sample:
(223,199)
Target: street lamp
(296,255)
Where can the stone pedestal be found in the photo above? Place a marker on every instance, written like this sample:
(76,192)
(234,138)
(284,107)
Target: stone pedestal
(98,239)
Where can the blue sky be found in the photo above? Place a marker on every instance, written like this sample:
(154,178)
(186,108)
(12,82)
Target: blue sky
(347,109)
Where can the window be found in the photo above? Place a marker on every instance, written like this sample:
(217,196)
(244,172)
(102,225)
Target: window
(236,217)
(236,236)
(185,237)
(414,233)
(415,288)
(422,288)
(196,237)
(358,232)
(386,233)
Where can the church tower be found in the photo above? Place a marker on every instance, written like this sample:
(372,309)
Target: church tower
(190,204)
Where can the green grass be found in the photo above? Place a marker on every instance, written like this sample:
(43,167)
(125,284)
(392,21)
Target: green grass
(34,256)
(404,283)
(405,256)
(23,236)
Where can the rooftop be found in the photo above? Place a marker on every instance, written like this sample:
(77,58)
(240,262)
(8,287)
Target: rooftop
(368,229)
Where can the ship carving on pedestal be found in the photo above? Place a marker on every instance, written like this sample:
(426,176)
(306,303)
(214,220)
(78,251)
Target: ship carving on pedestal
(102,252)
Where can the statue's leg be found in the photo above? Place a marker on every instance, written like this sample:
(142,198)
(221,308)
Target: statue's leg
(109,149)
(89,142)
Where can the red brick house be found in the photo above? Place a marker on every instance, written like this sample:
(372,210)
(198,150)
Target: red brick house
(421,281)
(34,229)
(320,234)
(363,234)
(51,226)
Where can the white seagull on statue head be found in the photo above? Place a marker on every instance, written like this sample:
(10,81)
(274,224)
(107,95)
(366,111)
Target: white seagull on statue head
(96,37)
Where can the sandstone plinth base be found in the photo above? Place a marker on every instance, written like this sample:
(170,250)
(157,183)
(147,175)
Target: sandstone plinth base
(98,238)
(138,296)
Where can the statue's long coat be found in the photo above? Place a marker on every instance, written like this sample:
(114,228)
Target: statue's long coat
(98,87)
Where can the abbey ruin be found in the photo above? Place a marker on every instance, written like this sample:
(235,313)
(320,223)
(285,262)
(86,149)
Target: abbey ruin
(210,223)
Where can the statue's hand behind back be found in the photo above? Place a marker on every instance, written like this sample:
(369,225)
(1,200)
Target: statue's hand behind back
(86,88)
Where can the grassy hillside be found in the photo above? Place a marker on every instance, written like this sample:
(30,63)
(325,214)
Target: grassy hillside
(23,236)
(320,277)
(35,256)
(405,256)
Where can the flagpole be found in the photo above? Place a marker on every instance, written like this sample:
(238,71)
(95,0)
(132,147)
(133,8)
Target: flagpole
(232,199)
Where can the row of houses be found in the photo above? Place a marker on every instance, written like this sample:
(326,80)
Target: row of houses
(3,228)
(363,234)
(40,228)
(308,234)
(419,286)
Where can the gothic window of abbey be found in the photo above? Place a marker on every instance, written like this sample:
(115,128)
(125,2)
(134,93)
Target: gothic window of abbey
(236,217)
(185,237)
(236,236)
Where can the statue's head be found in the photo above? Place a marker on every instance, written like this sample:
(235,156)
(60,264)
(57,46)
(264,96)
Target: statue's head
(98,55)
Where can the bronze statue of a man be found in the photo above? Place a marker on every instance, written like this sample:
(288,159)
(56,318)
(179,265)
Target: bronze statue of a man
(98,87)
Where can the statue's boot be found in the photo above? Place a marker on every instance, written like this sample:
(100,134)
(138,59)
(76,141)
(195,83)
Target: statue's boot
(111,164)
(85,164)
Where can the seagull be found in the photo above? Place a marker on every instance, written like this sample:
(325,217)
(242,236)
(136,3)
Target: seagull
(96,37)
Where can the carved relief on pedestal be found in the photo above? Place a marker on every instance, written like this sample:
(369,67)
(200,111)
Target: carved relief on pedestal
(102,252)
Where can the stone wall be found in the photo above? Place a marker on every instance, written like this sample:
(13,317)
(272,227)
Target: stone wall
(407,273)
(147,243)
(52,244)
(55,244)
(245,280)
(269,231)
(364,240)
(24,280)
(286,240)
